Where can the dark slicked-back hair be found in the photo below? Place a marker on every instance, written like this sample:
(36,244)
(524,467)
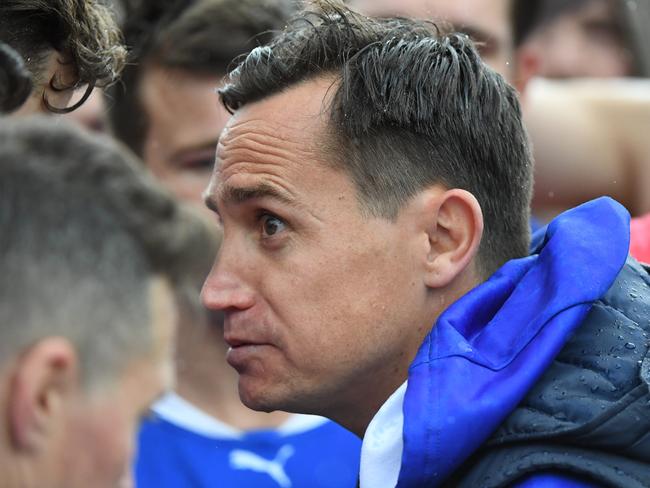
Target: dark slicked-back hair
(84,30)
(200,37)
(83,232)
(411,107)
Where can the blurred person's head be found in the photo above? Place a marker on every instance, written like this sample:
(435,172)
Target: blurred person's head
(573,38)
(373,172)
(62,45)
(15,80)
(166,108)
(485,21)
(90,248)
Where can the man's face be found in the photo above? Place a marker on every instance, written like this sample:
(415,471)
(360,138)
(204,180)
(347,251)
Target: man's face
(323,304)
(586,43)
(486,21)
(98,437)
(185,120)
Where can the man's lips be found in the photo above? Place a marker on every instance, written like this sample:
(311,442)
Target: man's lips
(235,342)
(242,351)
(239,333)
(248,343)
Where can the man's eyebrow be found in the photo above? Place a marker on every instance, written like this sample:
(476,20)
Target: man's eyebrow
(243,194)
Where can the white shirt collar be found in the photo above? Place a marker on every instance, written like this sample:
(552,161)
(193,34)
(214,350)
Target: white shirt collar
(180,412)
(381,451)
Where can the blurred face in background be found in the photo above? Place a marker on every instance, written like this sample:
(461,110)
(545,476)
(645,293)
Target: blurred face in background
(185,120)
(589,41)
(485,21)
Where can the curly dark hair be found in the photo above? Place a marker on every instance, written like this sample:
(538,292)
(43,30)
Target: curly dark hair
(83,30)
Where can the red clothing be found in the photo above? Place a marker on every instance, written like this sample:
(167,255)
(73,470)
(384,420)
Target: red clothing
(640,238)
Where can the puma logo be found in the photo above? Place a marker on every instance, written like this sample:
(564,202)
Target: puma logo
(240,459)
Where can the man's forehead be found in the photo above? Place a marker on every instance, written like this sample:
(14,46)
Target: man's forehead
(288,124)
(267,127)
(265,140)
(273,137)
(302,105)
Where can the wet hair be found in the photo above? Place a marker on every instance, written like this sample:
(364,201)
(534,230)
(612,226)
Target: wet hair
(411,107)
(15,80)
(200,37)
(83,232)
(82,30)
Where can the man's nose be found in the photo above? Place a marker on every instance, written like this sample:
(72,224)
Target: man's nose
(225,290)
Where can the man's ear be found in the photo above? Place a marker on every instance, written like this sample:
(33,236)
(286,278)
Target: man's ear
(454,228)
(43,378)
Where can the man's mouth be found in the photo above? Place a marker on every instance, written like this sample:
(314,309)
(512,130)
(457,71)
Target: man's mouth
(241,352)
(236,342)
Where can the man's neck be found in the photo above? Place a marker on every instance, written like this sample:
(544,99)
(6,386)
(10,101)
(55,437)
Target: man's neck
(356,419)
(378,383)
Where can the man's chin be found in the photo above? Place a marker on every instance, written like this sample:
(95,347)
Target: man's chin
(255,398)
(270,400)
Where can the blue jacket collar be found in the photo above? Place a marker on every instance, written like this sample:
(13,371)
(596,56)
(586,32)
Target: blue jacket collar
(489,348)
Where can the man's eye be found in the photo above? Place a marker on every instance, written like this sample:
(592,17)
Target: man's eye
(271,225)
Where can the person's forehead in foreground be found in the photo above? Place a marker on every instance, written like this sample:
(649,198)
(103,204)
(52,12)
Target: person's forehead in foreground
(350,197)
